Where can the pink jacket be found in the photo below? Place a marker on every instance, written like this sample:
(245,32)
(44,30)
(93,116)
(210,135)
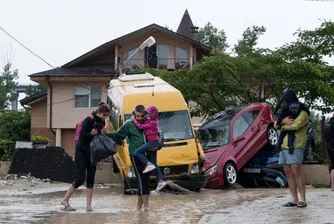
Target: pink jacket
(150,127)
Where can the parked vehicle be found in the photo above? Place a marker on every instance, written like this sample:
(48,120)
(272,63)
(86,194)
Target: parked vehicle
(263,170)
(232,137)
(181,157)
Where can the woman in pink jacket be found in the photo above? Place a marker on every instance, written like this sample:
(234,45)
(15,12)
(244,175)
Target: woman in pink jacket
(151,130)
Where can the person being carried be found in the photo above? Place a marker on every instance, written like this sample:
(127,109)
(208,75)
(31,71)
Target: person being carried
(292,109)
(151,130)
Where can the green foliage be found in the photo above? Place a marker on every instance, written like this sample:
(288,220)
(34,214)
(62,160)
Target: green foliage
(36,137)
(15,125)
(249,39)
(212,37)
(7,84)
(6,149)
(259,75)
(316,122)
(32,90)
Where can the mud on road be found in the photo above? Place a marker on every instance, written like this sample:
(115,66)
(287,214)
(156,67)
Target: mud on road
(41,204)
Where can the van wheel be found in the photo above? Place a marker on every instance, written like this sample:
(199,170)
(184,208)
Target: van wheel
(230,174)
(127,189)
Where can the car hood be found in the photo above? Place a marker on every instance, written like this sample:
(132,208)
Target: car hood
(213,155)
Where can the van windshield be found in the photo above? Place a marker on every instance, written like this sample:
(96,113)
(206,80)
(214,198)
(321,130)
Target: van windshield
(174,124)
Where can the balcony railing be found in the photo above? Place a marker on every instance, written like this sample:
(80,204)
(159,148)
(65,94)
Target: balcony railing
(160,63)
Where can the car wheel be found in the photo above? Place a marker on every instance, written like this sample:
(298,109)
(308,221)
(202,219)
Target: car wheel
(230,174)
(272,136)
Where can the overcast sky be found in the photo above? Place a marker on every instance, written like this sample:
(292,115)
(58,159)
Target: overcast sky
(60,30)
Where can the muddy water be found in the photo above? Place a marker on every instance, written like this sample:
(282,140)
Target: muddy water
(111,206)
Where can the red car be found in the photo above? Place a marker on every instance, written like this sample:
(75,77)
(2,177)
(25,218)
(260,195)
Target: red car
(232,137)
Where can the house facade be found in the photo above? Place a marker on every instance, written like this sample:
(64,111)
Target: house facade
(75,89)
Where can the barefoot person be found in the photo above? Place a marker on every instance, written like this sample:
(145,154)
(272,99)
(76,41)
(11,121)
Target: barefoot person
(135,140)
(151,130)
(91,126)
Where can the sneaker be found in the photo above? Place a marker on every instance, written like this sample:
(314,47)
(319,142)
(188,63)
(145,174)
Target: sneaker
(148,168)
(161,185)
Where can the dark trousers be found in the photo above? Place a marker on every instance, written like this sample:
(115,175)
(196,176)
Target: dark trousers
(291,138)
(143,180)
(84,171)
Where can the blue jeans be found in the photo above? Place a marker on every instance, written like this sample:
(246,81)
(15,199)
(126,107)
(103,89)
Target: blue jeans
(140,154)
(153,160)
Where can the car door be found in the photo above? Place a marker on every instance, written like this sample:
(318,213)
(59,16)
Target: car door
(239,139)
(245,131)
(253,133)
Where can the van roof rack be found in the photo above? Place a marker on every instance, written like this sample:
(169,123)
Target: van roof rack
(136,77)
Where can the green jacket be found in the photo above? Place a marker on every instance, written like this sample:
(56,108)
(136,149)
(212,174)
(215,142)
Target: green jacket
(300,128)
(135,136)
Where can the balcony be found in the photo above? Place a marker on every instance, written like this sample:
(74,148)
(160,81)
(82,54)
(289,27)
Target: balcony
(160,63)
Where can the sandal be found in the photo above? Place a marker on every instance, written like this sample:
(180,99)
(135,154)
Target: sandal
(289,204)
(68,207)
(302,204)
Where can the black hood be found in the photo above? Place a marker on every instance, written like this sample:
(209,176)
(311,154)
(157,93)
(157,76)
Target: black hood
(290,96)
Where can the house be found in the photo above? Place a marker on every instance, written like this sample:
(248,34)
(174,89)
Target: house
(75,89)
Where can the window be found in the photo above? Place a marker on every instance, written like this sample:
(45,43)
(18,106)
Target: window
(250,116)
(240,126)
(114,115)
(135,60)
(181,58)
(87,97)
(214,136)
(95,96)
(163,55)
(174,124)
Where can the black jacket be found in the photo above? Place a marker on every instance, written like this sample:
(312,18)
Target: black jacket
(87,126)
(292,106)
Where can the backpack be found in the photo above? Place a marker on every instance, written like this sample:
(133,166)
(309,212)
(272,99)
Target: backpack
(78,128)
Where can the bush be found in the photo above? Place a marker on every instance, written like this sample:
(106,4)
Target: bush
(37,137)
(6,149)
(15,125)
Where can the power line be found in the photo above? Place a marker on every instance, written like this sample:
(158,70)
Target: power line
(25,46)
(78,83)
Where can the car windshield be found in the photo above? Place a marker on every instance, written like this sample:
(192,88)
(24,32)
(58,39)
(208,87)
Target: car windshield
(175,125)
(215,132)
(214,136)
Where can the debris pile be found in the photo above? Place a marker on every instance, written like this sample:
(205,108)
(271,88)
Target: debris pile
(50,163)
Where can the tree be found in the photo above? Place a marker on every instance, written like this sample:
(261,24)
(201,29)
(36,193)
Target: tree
(312,75)
(32,90)
(15,125)
(210,36)
(249,40)
(7,84)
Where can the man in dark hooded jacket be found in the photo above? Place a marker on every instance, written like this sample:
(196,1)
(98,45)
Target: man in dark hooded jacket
(292,109)
(329,134)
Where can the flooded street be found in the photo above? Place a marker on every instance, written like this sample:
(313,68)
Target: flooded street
(208,206)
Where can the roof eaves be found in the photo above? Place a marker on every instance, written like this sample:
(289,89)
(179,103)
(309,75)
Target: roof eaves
(33,98)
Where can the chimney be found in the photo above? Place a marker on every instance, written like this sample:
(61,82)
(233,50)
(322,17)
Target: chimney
(194,33)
